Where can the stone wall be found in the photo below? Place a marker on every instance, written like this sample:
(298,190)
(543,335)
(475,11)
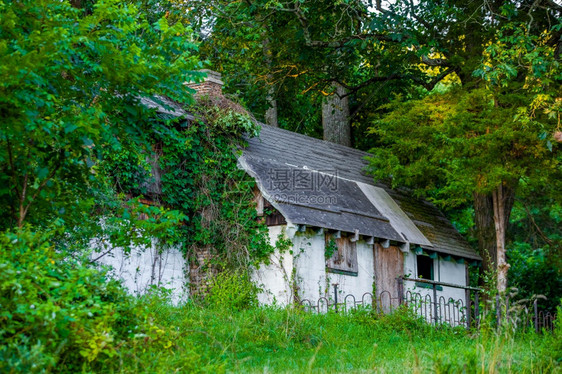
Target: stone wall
(201,272)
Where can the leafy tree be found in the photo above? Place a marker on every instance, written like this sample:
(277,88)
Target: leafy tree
(477,142)
(307,49)
(70,83)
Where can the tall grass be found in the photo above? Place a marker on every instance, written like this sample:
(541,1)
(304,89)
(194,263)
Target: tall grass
(289,340)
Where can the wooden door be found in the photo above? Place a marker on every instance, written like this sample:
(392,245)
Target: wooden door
(389,264)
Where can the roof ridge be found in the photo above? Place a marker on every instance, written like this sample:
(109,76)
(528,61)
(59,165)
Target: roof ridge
(320,141)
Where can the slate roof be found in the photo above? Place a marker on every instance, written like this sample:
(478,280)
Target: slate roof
(317,183)
(165,107)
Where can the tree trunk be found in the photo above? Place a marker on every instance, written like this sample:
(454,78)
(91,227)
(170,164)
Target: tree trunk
(485,232)
(335,117)
(502,198)
(492,213)
(271,112)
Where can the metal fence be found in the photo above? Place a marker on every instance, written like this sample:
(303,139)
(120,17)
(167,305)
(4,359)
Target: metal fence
(523,314)
(437,309)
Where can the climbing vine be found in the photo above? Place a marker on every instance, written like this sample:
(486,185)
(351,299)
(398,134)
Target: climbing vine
(331,248)
(199,177)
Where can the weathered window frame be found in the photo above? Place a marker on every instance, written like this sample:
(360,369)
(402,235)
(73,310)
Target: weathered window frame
(341,255)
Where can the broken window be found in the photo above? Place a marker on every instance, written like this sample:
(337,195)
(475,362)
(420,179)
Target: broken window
(425,267)
(341,255)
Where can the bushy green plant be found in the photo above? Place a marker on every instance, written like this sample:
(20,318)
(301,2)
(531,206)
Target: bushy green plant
(533,273)
(402,319)
(232,290)
(56,311)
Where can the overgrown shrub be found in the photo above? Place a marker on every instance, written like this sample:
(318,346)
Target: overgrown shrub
(534,273)
(401,319)
(57,313)
(232,290)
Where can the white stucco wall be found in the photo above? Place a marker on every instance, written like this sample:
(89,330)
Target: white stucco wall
(444,271)
(301,269)
(275,278)
(145,267)
(304,270)
(314,281)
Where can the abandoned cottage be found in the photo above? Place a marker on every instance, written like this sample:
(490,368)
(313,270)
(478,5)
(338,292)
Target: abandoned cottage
(349,235)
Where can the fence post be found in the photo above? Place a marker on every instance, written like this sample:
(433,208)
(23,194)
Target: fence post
(435,303)
(498,311)
(468,309)
(336,296)
(536,317)
(476,310)
(467,298)
(400,290)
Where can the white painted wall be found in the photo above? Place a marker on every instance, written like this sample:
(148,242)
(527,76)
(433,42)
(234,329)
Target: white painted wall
(275,278)
(315,282)
(444,271)
(305,268)
(145,267)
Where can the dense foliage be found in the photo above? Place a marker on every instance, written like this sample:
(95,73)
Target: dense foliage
(63,315)
(70,84)
(56,312)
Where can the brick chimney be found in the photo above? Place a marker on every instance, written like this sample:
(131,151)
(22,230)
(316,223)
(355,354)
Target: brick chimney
(211,86)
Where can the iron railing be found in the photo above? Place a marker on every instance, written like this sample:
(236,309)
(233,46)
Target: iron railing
(434,307)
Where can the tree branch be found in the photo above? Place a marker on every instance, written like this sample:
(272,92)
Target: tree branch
(100,256)
(435,61)
(353,89)
(24,210)
(554,5)
(22,202)
(332,43)
(541,234)
(431,84)
(12,167)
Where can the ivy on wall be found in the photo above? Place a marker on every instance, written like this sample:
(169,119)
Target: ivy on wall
(199,177)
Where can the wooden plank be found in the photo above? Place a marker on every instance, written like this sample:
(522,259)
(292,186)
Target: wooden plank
(272,216)
(259,201)
(344,257)
(389,264)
